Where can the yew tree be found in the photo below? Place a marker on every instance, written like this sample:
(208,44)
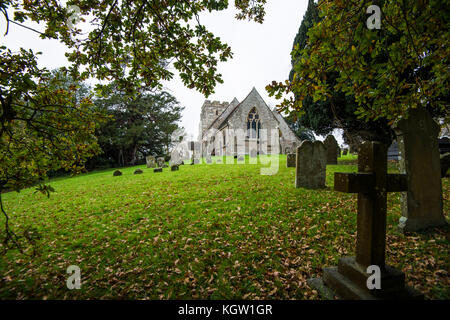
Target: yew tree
(400,66)
(337,110)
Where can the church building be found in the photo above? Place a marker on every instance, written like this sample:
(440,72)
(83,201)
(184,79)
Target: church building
(247,127)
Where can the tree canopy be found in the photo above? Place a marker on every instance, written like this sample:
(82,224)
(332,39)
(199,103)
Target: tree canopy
(139,126)
(388,71)
(132,42)
(337,110)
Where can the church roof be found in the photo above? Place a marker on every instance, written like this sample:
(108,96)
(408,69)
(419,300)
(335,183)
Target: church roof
(223,118)
(253,92)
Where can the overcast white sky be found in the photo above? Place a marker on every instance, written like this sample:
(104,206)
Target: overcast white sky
(261,54)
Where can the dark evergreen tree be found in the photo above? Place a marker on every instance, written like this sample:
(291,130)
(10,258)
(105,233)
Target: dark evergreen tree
(138,127)
(339,110)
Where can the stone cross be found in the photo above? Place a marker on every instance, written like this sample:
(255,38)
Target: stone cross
(372,182)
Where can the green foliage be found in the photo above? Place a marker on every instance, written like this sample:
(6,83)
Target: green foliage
(42,125)
(403,65)
(139,126)
(300,131)
(203,232)
(310,17)
(338,109)
(133,41)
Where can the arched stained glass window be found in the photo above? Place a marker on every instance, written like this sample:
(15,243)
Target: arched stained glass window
(253,124)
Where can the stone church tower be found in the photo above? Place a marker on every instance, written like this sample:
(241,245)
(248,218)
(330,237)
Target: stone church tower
(247,127)
(210,112)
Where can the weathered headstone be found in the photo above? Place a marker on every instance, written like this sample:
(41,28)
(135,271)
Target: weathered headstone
(240,158)
(196,161)
(253,153)
(151,161)
(218,161)
(208,160)
(158,170)
(445,163)
(290,160)
(422,204)
(349,279)
(138,171)
(345,152)
(160,161)
(311,165)
(176,157)
(117,173)
(332,147)
(174,167)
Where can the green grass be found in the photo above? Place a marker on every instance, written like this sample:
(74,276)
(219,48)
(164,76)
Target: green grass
(203,232)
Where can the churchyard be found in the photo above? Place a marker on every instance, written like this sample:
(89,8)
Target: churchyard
(205,231)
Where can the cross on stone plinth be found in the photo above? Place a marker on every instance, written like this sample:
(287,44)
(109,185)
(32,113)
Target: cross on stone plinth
(372,182)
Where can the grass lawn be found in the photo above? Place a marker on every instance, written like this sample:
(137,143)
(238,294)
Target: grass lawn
(204,232)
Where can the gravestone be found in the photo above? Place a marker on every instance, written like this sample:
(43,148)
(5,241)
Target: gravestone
(345,152)
(445,163)
(151,162)
(117,173)
(196,161)
(218,161)
(290,160)
(444,145)
(240,158)
(138,171)
(422,205)
(349,279)
(253,153)
(174,167)
(208,160)
(392,152)
(332,147)
(176,157)
(311,165)
(160,161)
(158,170)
